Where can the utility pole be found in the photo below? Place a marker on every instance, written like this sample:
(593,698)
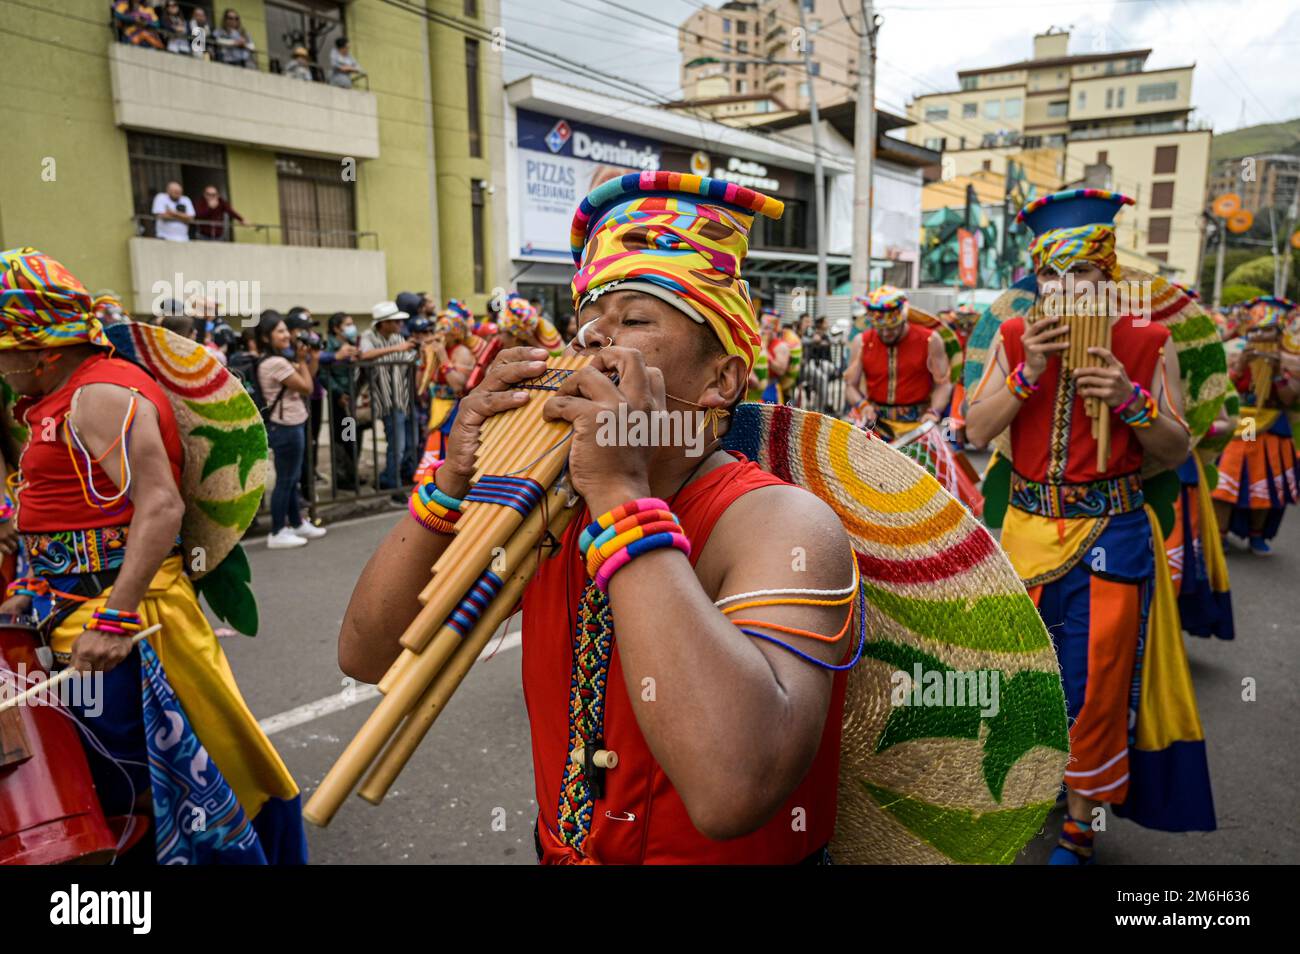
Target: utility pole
(864,152)
(1222,235)
(1293,219)
(819,174)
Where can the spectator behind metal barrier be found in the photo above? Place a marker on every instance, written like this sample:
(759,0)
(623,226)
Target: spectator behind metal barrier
(299,67)
(213,216)
(388,355)
(233,44)
(173,213)
(137,24)
(171,24)
(343,68)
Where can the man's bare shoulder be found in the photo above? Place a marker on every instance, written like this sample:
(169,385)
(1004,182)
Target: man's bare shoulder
(781,517)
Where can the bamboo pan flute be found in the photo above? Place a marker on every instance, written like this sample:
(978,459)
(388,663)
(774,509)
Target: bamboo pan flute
(1090,329)
(435,658)
(1261,372)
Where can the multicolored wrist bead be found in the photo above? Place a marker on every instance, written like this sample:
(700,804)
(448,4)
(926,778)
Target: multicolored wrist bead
(612,540)
(1144,414)
(1019,385)
(433,509)
(115,622)
(6,509)
(30,586)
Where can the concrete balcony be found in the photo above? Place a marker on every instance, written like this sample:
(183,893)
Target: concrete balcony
(246,278)
(184,96)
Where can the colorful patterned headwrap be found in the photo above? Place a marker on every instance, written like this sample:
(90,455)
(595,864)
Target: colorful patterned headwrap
(1267,311)
(519,318)
(42,305)
(886,307)
(965,317)
(458,307)
(1074,226)
(452,325)
(679,237)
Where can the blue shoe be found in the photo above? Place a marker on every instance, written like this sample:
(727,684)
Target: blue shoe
(1259,546)
(1064,856)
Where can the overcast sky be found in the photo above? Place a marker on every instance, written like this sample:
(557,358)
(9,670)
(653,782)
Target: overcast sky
(1245,51)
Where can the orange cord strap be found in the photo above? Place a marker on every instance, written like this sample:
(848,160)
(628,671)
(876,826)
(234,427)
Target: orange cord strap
(793,631)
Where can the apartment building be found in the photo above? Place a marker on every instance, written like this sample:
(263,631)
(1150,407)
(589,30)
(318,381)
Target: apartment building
(347,194)
(1094,109)
(1263,180)
(757,47)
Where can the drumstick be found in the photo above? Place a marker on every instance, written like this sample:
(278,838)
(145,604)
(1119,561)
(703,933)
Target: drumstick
(49,685)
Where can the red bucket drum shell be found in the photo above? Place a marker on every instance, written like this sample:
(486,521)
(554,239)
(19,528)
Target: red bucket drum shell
(49,812)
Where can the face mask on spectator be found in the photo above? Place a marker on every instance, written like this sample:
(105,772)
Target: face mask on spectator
(350,332)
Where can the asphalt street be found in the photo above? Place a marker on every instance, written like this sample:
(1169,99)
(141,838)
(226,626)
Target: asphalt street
(467,795)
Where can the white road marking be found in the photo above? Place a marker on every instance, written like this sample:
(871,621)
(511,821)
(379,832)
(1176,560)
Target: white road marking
(355,695)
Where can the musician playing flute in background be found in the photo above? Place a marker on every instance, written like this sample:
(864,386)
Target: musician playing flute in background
(732,735)
(898,371)
(1079,535)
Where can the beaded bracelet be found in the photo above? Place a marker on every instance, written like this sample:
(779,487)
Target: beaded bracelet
(115,622)
(6,509)
(25,586)
(433,509)
(1019,385)
(613,539)
(1145,414)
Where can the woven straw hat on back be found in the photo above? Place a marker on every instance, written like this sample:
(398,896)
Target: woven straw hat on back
(925,783)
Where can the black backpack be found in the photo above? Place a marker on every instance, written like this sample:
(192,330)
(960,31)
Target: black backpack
(244,365)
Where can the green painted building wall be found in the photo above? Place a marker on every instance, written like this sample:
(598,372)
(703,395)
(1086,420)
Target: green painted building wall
(415,195)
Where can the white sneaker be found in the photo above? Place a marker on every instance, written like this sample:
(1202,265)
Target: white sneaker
(309,530)
(284,539)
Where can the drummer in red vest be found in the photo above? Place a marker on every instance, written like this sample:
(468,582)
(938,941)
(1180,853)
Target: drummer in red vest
(99,512)
(1077,534)
(898,370)
(725,740)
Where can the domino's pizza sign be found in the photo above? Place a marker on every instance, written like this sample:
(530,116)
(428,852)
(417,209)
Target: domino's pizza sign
(560,134)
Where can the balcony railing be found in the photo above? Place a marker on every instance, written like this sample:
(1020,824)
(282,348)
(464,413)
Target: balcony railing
(1139,129)
(262,233)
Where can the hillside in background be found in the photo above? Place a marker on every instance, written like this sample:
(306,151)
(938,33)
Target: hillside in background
(1251,140)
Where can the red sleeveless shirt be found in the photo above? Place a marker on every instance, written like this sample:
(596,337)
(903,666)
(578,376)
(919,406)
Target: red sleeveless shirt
(53,496)
(1051,437)
(641,819)
(898,373)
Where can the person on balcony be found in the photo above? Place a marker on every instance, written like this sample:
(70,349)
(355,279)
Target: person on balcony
(173,212)
(173,29)
(200,33)
(343,68)
(214,215)
(137,23)
(234,45)
(299,67)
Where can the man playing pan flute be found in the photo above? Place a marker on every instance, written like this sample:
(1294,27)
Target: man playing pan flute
(99,510)
(898,370)
(1076,530)
(1259,473)
(688,739)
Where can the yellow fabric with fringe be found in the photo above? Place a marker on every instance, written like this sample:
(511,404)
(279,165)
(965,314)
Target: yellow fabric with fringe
(1167,704)
(1216,564)
(1043,549)
(1262,418)
(200,675)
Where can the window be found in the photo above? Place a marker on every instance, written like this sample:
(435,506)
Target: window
(1058,107)
(315,24)
(1110,99)
(814,68)
(1166,160)
(1033,142)
(969,110)
(157,160)
(476,235)
(742,46)
(1011,108)
(316,204)
(1102,155)
(471,8)
(934,113)
(992,108)
(1159,256)
(1155,92)
(989,140)
(969,82)
(742,67)
(742,27)
(1119,98)
(472,99)
(935,143)
(726,46)
(1158,230)
(740,86)
(803,90)
(987,165)
(1162,195)
(726,24)
(789,231)
(1083,99)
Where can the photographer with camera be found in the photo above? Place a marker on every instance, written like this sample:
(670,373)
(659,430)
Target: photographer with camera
(286,376)
(302,326)
(337,361)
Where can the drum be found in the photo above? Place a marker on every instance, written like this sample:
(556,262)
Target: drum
(49,812)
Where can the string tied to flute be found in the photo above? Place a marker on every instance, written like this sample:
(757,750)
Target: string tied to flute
(521,494)
(466,614)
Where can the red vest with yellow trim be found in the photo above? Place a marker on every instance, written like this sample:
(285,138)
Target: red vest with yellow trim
(1051,437)
(641,819)
(898,373)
